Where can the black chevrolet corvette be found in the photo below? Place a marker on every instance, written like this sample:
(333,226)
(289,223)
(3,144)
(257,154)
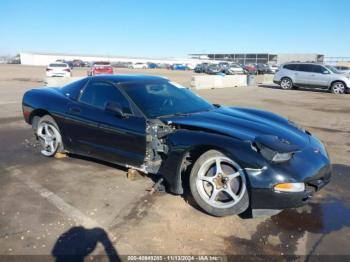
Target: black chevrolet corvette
(229,158)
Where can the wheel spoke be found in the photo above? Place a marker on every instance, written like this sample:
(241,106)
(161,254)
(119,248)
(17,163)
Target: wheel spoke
(46,128)
(233,176)
(41,136)
(218,167)
(208,179)
(229,191)
(51,132)
(214,194)
(52,146)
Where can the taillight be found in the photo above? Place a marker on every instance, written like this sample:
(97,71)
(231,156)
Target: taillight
(67,70)
(48,69)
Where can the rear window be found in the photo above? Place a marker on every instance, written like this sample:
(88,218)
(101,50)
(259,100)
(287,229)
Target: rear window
(58,65)
(72,90)
(102,66)
(291,66)
(102,63)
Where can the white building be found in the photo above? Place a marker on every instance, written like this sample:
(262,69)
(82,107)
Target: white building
(43,59)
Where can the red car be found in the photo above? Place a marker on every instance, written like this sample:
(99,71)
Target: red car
(250,69)
(100,68)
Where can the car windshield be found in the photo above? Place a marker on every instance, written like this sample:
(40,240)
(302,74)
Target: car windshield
(333,69)
(157,99)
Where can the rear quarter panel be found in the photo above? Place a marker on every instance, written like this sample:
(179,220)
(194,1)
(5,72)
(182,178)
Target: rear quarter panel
(51,100)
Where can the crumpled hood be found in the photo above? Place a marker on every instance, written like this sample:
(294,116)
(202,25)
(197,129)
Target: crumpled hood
(244,124)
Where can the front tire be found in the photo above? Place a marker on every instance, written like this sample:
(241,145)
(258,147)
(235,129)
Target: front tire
(338,88)
(49,136)
(218,185)
(286,83)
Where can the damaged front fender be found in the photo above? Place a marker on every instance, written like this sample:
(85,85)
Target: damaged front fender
(182,143)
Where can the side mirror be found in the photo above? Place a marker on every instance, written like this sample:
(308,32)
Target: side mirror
(325,72)
(114,108)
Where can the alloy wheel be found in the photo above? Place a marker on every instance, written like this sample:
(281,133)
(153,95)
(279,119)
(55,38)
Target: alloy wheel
(338,88)
(286,84)
(49,138)
(220,182)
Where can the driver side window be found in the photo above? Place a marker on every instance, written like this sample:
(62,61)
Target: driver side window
(98,94)
(319,69)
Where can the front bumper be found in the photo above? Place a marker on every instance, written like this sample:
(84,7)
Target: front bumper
(55,74)
(277,82)
(312,167)
(270,199)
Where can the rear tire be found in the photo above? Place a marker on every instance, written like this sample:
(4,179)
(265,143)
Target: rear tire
(49,136)
(218,185)
(286,83)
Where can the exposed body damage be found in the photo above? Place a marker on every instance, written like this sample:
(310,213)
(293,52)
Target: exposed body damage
(156,144)
(172,148)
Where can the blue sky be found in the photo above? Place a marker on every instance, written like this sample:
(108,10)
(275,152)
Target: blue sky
(174,28)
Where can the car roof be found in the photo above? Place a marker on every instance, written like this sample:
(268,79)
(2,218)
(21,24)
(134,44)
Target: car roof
(128,78)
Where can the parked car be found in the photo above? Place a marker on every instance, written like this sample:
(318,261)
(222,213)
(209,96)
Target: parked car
(201,68)
(99,68)
(343,69)
(163,66)
(58,69)
(14,61)
(179,67)
(213,69)
(78,63)
(139,66)
(152,65)
(233,69)
(250,69)
(312,75)
(87,64)
(232,158)
(224,65)
(122,64)
(70,63)
(273,68)
(190,66)
(262,68)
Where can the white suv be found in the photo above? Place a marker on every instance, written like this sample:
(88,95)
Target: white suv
(312,75)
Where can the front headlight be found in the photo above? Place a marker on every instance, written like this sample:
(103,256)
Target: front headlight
(270,154)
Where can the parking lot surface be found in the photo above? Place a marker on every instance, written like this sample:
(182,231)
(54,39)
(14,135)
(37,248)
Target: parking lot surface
(50,205)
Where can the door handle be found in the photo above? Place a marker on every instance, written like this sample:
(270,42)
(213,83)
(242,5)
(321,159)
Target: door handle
(75,110)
